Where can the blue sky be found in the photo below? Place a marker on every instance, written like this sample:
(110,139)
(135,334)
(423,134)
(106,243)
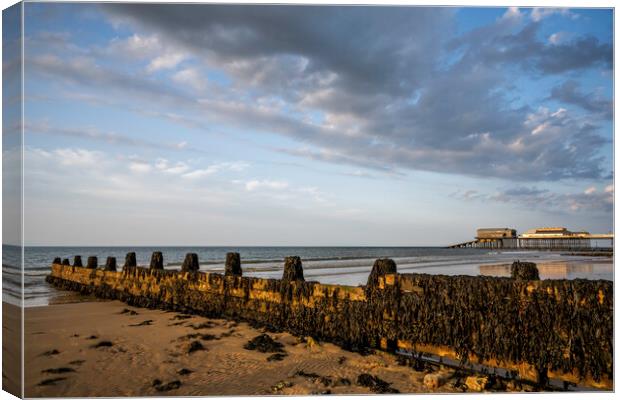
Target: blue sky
(273,125)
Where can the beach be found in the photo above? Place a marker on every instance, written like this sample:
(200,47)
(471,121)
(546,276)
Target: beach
(81,346)
(109,349)
(11,348)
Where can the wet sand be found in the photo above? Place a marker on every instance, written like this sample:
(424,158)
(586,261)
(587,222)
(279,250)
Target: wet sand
(11,348)
(104,349)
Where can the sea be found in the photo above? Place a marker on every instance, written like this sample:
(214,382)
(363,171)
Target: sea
(331,265)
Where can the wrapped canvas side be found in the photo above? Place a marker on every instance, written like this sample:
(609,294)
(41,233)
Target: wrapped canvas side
(12,210)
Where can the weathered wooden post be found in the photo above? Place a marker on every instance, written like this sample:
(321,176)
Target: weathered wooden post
(191,263)
(77,261)
(66,262)
(524,271)
(233,265)
(91,262)
(157,260)
(130,260)
(293,270)
(110,264)
(381,267)
(56,260)
(384,300)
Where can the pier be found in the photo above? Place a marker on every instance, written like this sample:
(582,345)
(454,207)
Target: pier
(554,238)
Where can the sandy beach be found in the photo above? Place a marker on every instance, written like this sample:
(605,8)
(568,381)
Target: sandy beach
(11,348)
(109,349)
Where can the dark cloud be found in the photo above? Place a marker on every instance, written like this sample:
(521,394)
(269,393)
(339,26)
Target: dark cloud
(525,49)
(524,191)
(388,87)
(369,48)
(569,92)
(591,199)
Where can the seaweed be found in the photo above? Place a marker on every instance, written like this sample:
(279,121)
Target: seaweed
(265,344)
(559,325)
(375,384)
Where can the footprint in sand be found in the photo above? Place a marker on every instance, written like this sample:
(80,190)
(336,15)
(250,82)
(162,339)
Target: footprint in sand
(161,387)
(52,352)
(51,381)
(77,362)
(103,343)
(204,325)
(184,371)
(144,323)
(181,316)
(61,370)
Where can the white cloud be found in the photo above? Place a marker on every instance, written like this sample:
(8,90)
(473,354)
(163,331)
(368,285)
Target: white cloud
(139,47)
(190,77)
(265,184)
(201,173)
(77,157)
(314,193)
(558,37)
(178,168)
(512,13)
(539,13)
(590,190)
(139,167)
(609,188)
(165,61)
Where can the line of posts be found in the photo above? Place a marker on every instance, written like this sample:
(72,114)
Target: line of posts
(293,270)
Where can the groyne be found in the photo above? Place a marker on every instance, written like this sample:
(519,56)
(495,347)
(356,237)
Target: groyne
(538,330)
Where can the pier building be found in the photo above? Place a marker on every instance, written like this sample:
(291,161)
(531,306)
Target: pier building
(548,238)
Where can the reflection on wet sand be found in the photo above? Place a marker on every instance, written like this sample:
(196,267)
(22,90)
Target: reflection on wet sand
(558,270)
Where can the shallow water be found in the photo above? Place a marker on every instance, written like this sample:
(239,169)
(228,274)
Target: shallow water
(335,265)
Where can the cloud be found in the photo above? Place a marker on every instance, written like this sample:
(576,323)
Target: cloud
(539,13)
(590,199)
(265,184)
(177,168)
(590,190)
(77,157)
(139,167)
(374,100)
(559,37)
(512,13)
(190,77)
(167,61)
(524,49)
(569,92)
(91,133)
(150,47)
(215,168)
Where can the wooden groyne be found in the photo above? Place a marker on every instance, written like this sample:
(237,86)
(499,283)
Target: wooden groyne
(538,330)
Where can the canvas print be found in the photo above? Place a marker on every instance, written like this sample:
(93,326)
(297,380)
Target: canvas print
(232,200)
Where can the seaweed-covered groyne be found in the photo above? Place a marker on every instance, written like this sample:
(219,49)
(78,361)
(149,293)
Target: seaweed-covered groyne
(539,329)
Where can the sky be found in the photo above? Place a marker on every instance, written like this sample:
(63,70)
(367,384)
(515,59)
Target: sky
(313,125)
